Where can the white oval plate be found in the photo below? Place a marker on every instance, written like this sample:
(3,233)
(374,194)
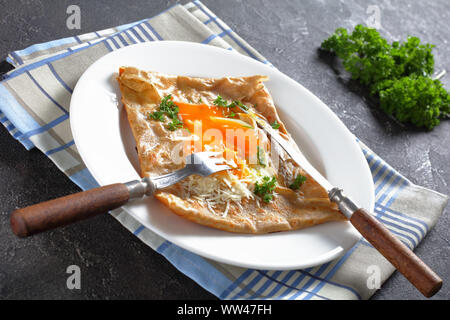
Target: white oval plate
(103,138)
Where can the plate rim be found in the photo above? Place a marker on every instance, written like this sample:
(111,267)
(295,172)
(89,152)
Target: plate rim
(324,258)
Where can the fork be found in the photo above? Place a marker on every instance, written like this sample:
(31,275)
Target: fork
(83,205)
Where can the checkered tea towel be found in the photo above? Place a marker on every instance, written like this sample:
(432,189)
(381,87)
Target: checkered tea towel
(34,107)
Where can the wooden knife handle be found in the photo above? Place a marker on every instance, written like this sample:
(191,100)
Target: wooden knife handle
(66,210)
(414,269)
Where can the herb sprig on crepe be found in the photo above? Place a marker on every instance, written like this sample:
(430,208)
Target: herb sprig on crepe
(266,188)
(168,108)
(221,102)
(298,182)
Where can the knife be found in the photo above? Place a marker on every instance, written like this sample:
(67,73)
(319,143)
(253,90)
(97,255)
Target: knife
(397,253)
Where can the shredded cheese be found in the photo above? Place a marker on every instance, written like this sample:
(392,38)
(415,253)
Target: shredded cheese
(223,189)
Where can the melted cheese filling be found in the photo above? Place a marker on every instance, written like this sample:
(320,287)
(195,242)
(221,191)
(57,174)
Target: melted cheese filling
(224,189)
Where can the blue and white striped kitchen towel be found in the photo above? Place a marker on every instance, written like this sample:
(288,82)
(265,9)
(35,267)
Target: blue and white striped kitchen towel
(34,108)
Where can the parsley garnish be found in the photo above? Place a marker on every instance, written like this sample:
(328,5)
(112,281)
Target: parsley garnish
(231,115)
(266,188)
(175,124)
(298,182)
(267,198)
(167,108)
(157,115)
(221,102)
(240,104)
(399,74)
(276,125)
(261,156)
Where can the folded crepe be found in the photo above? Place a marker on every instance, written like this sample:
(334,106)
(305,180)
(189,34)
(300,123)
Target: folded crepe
(173,116)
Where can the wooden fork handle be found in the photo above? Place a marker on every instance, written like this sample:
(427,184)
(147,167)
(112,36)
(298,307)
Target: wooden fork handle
(66,210)
(403,259)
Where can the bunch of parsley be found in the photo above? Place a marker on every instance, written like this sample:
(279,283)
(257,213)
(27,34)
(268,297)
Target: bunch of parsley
(399,74)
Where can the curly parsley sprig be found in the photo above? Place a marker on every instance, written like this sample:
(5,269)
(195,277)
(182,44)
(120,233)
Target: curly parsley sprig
(398,73)
(415,99)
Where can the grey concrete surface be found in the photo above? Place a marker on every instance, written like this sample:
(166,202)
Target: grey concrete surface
(115,264)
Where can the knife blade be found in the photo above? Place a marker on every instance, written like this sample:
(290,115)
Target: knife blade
(346,206)
(294,153)
(401,257)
